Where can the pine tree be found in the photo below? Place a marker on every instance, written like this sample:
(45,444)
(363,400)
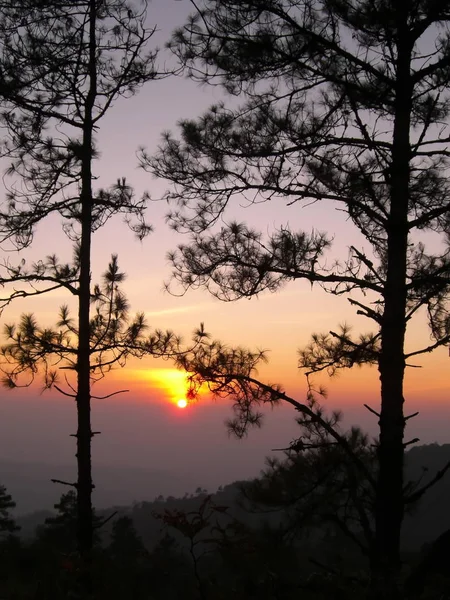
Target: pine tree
(7,522)
(344,103)
(62,70)
(113,337)
(126,545)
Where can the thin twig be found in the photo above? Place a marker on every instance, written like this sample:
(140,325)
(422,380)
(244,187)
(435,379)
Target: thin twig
(105,520)
(372,410)
(109,395)
(61,391)
(74,485)
(420,492)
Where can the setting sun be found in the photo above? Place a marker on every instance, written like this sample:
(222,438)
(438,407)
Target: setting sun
(172,382)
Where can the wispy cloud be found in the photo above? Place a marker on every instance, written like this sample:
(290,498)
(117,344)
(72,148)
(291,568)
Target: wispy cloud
(181,310)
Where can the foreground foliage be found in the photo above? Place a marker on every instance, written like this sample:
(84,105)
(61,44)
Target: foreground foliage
(280,536)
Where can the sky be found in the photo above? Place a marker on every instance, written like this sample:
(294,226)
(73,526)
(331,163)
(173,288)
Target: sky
(144,427)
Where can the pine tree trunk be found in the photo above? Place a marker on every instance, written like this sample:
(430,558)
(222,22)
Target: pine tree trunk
(389,502)
(84,432)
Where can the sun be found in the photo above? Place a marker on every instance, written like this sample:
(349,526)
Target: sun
(174,385)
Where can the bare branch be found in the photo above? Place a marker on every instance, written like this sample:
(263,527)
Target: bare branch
(412,498)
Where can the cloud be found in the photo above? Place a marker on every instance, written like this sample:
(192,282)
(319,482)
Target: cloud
(181,309)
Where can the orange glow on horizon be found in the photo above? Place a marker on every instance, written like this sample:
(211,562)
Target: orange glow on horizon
(350,388)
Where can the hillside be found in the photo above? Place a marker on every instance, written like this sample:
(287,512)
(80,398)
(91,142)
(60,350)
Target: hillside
(136,491)
(32,489)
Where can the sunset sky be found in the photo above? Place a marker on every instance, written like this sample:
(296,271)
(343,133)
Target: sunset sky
(144,427)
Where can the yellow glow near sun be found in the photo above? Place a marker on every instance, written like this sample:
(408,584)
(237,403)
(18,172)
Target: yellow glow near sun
(174,384)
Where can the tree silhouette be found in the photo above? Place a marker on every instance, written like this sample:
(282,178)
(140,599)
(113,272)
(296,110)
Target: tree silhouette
(60,531)
(53,352)
(63,69)
(126,545)
(195,526)
(346,103)
(7,522)
(114,337)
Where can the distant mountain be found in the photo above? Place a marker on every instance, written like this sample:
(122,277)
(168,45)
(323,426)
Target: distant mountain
(30,486)
(32,489)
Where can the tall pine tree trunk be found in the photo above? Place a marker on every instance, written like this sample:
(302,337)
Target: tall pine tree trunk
(84,432)
(389,501)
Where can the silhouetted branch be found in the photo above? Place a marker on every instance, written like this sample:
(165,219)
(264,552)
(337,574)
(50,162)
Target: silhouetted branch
(411,416)
(442,342)
(102,523)
(110,395)
(372,410)
(420,492)
(74,485)
(316,418)
(61,391)
(409,442)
